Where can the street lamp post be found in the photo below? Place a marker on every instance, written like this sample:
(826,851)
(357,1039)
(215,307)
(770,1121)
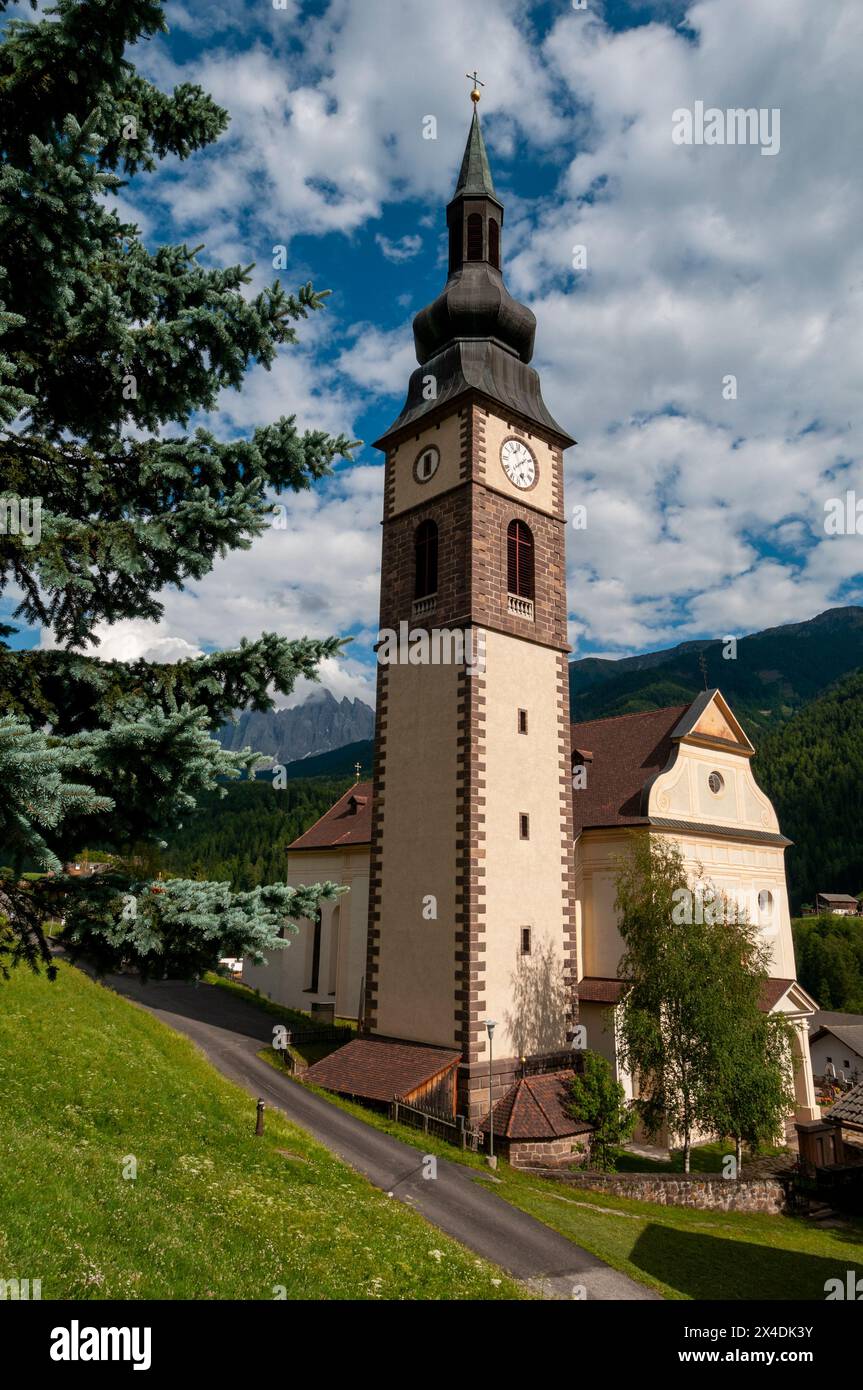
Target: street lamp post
(490,1025)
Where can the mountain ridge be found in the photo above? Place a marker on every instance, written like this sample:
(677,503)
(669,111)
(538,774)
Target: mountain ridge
(317,726)
(773,674)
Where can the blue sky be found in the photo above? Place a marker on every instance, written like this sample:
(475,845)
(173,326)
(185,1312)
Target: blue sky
(705,515)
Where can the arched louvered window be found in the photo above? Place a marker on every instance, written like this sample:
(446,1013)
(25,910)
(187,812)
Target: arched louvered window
(474,237)
(425,550)
(494,242)
(519,559)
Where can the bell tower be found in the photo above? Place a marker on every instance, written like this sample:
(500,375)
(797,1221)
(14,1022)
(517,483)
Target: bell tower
(471,909)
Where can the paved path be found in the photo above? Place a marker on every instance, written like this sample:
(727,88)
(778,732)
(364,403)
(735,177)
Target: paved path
(230,1032)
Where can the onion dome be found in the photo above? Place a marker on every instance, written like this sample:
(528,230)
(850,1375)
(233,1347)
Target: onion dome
(475,302)
(475,338)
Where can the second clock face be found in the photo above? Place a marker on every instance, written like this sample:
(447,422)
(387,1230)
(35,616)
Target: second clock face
(518,463)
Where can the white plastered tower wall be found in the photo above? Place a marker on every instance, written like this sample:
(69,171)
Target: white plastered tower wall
(528,995)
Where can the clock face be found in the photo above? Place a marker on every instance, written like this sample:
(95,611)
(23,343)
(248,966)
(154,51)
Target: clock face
(426,464)
(518,462)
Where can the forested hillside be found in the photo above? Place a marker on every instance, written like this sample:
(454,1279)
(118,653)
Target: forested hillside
(244,836)
(812,770)
(829,956)
(773,674)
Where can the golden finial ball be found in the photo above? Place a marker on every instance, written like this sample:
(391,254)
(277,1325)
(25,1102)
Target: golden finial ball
(474,96)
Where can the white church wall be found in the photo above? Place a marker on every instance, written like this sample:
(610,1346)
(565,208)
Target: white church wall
(683,791)
(287,974)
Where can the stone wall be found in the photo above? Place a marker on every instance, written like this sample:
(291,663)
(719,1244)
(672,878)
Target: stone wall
(705,1191)
(548,1153)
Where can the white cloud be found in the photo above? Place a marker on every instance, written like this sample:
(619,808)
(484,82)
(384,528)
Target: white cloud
(705,514)
(402,250)
(380,361)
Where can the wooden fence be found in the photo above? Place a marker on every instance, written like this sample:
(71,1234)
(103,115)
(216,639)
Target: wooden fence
(451,1128)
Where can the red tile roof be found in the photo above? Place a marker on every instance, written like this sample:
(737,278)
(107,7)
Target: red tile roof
(378,1070)
(623,755)
(349,822)
(594,990)
(534,1109)
(771,992)
(627,752)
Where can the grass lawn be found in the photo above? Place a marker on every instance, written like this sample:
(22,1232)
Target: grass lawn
(683,1253)
(87,1081)
(704,1158)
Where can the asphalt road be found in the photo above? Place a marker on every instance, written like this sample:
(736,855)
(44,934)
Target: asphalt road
(230,1032)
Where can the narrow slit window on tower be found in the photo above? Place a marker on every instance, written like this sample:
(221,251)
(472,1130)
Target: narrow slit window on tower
(425,552)
(494,242)
(474,237)
(519,559)
(525,941)
(524,826)
(522,721)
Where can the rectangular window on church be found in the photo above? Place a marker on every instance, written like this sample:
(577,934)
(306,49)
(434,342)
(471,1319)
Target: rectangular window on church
(524,825)
(522,721)
(525,941)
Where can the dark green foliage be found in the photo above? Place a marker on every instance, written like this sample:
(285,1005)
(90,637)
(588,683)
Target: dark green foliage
(689,1027)
(598,1100)
(99,334)
(812,769)
(244,836)
(829,954)
(71,692)
(338,762)
(107,349)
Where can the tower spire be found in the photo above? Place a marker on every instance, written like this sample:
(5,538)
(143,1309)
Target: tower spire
(474,179)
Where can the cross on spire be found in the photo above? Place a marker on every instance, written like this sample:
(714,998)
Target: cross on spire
(358,767)
(472,77)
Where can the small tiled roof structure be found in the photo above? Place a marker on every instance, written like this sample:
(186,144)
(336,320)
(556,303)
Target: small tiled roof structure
(825,1018)
(375,1069)
(838,899)
(626,753)
(849,1110)
(771,992)
(348,822)
(595,990)
(534,1109)
(849,1034)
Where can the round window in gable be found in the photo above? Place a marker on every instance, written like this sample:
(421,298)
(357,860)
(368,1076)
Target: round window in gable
(716,782)
(426,464)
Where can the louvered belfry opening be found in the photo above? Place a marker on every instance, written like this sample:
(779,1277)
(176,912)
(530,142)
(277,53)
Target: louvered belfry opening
(494,242)
(519,559)
(474,236)
(425,551)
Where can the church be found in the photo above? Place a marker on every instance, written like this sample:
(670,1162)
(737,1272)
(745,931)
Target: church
(480,861)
